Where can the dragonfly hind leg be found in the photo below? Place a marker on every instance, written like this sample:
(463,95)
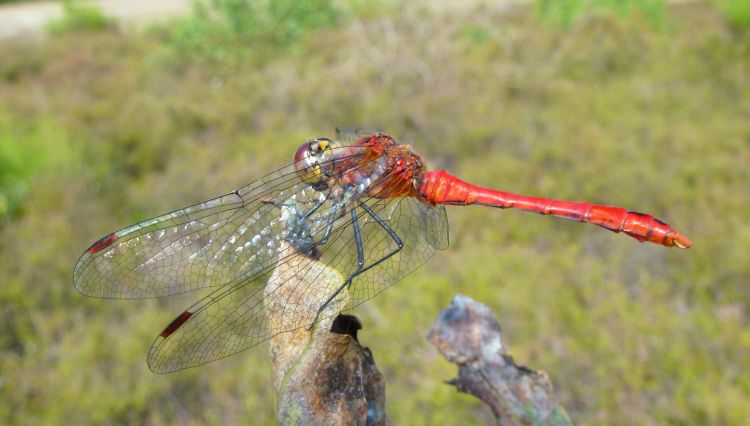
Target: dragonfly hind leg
(360,255)
(357,270)
(391,233)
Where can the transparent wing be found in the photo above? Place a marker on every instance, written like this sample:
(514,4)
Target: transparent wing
(290,294)
(422,229)
(209,244)
(350,135)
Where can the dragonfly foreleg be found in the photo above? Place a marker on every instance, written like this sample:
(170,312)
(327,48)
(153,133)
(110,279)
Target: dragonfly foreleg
(329,227)
(315,208)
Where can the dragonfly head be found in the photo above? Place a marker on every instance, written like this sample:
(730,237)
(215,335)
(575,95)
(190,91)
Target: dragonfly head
(309,157)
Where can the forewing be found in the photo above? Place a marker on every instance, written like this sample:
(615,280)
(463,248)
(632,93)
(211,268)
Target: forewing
(231,237)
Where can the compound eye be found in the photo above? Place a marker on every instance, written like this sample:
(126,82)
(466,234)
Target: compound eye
(307,160)
(302,154)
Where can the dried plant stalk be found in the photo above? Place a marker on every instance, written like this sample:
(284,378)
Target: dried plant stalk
(322,375)
(467,334)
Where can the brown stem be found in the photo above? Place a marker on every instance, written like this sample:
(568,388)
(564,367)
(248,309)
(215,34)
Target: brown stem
(467,334)
(322,374)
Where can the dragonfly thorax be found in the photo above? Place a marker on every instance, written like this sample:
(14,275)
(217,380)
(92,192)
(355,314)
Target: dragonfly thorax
(308,217)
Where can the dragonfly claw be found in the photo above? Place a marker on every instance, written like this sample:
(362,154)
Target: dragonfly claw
(272,202)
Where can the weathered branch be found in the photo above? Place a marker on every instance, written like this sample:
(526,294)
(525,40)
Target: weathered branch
(322,375)
(467,334)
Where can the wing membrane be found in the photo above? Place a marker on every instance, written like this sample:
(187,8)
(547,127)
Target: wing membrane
(288,295)
(205,245)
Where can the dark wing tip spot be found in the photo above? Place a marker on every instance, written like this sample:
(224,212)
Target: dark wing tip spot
(102,243)
(176,323)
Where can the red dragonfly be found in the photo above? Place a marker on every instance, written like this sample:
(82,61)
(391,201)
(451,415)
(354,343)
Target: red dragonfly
(363,206)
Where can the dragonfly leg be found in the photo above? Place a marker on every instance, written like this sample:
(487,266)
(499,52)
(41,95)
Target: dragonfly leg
(329,227)
(391,233)
(272,202)
(334,216)
(357,270)
(315,208)
(360,254)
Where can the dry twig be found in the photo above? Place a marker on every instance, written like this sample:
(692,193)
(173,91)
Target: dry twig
(321,375)
(467,333)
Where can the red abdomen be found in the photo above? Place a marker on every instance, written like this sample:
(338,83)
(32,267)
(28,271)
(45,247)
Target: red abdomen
(440,187)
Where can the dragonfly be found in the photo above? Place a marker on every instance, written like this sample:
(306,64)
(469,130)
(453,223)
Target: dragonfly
(354,215)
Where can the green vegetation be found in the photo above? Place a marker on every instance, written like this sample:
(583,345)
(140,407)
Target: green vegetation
(568,12)
(98,132)
(737,12)
(227,31)
(27,148)
(79,16)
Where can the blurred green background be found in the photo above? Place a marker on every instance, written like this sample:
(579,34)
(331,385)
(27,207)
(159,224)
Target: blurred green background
(639,103)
